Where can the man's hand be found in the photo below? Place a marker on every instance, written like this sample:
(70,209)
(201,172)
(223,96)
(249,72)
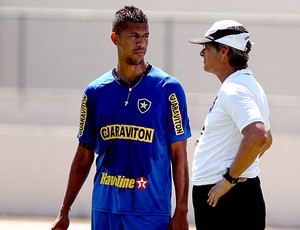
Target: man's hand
(219,190)
(178,222)
(62,220)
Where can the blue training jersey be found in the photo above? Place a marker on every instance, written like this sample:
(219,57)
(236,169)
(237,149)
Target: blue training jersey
(131,128)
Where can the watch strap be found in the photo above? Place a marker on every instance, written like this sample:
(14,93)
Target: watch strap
(229,178)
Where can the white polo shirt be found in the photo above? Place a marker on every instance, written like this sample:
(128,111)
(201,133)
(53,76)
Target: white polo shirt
(240,101)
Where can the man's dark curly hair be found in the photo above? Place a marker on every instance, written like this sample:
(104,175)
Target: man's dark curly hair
(127,14)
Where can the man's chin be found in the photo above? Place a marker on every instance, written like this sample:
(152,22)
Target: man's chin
(136,61)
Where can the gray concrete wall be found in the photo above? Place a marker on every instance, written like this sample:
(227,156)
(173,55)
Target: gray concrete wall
(35,157)
(48,56)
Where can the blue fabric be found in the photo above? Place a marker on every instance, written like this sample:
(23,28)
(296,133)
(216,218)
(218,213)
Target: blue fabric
(132,142)
(110,221)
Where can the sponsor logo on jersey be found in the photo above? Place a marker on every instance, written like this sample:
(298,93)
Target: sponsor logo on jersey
(129,132)
(83,115)
(176,115)
(144,105)
(123,182)
(141,183)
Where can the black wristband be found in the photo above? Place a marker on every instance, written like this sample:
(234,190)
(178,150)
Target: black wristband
(229,178)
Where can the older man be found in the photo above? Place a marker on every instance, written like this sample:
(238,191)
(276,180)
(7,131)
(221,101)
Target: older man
(236,133)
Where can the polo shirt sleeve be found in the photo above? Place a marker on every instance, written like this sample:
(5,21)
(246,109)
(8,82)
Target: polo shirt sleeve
(240,105)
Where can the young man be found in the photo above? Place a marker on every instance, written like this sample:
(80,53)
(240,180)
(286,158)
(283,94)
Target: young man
(134,117)
(235,135)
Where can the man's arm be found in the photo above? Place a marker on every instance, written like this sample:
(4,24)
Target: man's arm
(255,138)
(181,183)
(267,145)
(254,141)
(79,171)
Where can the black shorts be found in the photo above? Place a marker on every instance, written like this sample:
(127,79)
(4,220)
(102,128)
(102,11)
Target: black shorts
(241,208)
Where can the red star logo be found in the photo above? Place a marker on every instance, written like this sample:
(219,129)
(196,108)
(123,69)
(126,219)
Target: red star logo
(141,183)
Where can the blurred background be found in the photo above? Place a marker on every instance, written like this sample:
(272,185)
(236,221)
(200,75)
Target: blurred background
(50,50)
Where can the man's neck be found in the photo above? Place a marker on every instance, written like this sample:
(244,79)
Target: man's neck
(225,73)
(129,73)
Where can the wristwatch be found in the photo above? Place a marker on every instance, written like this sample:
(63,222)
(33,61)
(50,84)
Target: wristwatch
(230,178)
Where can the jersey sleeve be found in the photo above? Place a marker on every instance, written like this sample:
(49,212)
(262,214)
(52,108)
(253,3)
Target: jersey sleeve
(86,132)
(178,121)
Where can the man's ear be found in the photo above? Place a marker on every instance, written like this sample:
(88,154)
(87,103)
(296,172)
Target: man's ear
(224,49)
(115,38)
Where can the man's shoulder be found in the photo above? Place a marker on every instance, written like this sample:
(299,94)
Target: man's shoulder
(103,79)
(162,77)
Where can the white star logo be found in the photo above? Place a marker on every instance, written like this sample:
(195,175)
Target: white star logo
(144,105)
(141,183)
